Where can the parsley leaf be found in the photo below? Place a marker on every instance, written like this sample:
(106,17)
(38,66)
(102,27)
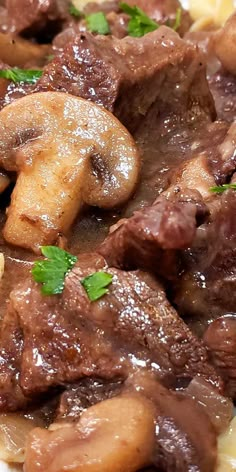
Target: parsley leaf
(178,17)
(97,23)
(52,271)
(222,188)
(95,285)
(74,11)
(139,24)
(21,75)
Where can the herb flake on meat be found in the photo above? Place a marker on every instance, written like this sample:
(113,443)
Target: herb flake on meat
(178,17)
(21,75)
(97,23)
(52,271)
(139,24)
(222,188)
(96,285)
(74,11)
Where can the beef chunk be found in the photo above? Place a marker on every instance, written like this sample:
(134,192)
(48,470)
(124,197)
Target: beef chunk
(84,394)
(34,15)
(220,338)
(163,11)
(65,338)
(143,70)
(207,288)
(153,237)
(223,88)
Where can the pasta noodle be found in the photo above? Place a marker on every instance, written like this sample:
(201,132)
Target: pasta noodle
(210,12)
(226,448)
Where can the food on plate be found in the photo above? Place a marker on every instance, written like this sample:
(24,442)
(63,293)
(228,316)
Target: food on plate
(117,236)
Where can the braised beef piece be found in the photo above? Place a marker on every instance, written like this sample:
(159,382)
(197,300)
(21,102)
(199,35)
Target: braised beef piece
(223,88)
(162,11)
(24,16)
(146,70)
(65,338)
(10,91)
(220,338)
(154,236)
(84,394)
(206,289)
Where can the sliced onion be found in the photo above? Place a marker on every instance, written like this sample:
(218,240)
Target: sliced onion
(227,449)
(218,407)
(14,430)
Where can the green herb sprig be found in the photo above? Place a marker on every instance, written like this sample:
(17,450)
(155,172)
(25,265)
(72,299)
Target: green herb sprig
(139,23)
(96,284)
(222,188)
(74,11)
(21,75)
(97,23)
(178,18)
(52,271)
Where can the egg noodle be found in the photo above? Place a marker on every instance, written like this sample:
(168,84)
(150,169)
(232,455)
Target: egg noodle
(210,13)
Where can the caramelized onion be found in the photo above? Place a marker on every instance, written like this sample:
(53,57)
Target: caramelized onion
(14,430)
(218,407)
(227,449)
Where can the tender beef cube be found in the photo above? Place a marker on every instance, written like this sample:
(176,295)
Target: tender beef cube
(11,395)
(66,338)
(163,11)
(220,338)
(81,396)
(206,289)
(131,76)
(223,88)
(25,15)
(154,236)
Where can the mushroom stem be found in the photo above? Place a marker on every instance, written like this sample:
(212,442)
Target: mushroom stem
(67,151)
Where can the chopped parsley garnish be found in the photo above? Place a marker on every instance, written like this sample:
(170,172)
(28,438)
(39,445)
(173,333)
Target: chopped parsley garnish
(74,11)
(52,271)
(178,17)
(96,285)
(21,75)
(50,57)
(97,23)
(139,24)
(222,188)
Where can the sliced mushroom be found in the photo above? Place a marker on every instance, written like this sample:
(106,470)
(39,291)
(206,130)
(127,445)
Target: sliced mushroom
(116,435)
(16,51)
(67,151)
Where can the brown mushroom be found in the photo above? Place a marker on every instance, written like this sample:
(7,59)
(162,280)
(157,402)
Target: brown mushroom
(115,435)
(16,51)
(67,151)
